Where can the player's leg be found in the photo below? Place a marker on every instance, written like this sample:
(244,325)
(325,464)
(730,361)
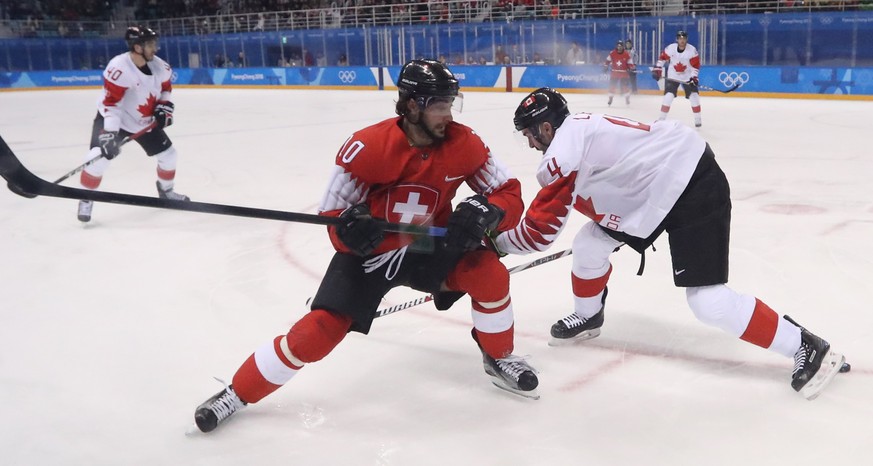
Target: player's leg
(591,268)
(481,275)
(693,94)
(612,85)
(157,144)
(670,90)
(346,300)
(699,231)
(626,89)
(92,175)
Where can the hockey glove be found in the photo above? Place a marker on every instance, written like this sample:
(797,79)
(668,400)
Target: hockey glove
(108,141)
(606,69)
(163,114)
(470,221)
(359,231)
(694,81)
(656,73)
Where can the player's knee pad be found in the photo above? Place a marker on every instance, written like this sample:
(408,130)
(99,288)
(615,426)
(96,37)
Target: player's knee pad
(481,275)
(315,335)
(591,250)
(167,160)
(721,307)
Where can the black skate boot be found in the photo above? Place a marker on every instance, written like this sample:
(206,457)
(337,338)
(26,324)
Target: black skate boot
(170,193)
(609,102)
(573,328)
(627,100)
(216,409)
(815,365)
(511,373)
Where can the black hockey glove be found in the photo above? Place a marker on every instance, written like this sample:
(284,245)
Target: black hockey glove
(163,114)
(468,224)
(359,231)
(656,73)
(109,144)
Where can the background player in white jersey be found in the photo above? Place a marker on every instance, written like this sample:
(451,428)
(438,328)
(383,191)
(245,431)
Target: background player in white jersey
(632,77)
(137,92)
(682,65)
(636,181)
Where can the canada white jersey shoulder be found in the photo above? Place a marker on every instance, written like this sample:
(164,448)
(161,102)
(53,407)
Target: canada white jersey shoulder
(130,94)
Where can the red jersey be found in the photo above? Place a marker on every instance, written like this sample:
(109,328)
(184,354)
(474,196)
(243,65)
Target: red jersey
(620,64)
(405,184)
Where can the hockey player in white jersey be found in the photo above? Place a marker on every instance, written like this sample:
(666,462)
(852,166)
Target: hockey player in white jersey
(137,93)
(636,181)
(682,64)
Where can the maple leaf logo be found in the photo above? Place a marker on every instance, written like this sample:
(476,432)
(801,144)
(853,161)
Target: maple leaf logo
(148,108)
(586,207)
(679,67)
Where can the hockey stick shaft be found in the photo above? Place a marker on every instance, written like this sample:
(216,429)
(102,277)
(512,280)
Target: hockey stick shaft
(518,268)
(95,159)
(21,179)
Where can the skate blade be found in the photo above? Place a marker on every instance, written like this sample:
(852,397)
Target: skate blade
(830,366)
(586,335)
(533,395)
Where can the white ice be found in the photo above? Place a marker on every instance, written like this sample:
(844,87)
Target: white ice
(111,332)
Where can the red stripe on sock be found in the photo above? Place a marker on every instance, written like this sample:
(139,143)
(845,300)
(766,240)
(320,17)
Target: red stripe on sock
(695,109)
(90,181)
(249,384)
(762,326)
(166,175)
(665,108)
(586,288)
(497,345)
(281,354)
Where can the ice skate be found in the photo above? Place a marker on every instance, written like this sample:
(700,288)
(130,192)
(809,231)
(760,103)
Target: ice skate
(627,100)
(815,365)
(609,102)
(170,193)
(84,214)
(511,373)
(217,409)
(573,328)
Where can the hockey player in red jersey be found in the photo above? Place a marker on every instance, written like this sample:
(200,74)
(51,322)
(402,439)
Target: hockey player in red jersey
(635,181)
(682,65)
(619,65)
(136,93)
(405,169)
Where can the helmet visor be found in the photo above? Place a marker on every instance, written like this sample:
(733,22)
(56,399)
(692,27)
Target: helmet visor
(441,105)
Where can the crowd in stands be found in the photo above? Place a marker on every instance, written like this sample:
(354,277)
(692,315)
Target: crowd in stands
(253,15)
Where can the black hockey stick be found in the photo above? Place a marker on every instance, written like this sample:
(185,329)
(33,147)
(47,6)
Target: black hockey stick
(723,91)
(518,268)
(72,172)
(21,179)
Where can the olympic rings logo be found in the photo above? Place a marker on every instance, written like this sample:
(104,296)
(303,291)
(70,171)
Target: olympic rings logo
(733,78)
(347,76)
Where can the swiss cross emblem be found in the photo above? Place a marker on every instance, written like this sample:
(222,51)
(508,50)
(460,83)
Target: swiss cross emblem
(410,203)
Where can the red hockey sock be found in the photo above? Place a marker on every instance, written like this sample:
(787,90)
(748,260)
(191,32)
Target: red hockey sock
(762,326)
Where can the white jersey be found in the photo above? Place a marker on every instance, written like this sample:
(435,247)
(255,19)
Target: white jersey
(623,174)
(130,95)
(683,65)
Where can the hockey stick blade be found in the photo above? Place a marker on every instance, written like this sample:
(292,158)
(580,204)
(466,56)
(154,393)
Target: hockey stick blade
(723,91)
(23,180)
(518,268)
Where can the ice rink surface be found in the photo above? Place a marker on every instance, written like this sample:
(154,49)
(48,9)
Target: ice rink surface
(112,332)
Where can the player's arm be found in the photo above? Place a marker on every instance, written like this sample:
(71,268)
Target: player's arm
(544,220)
(164,107)
(346,197)
(501,189)
(114,88)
